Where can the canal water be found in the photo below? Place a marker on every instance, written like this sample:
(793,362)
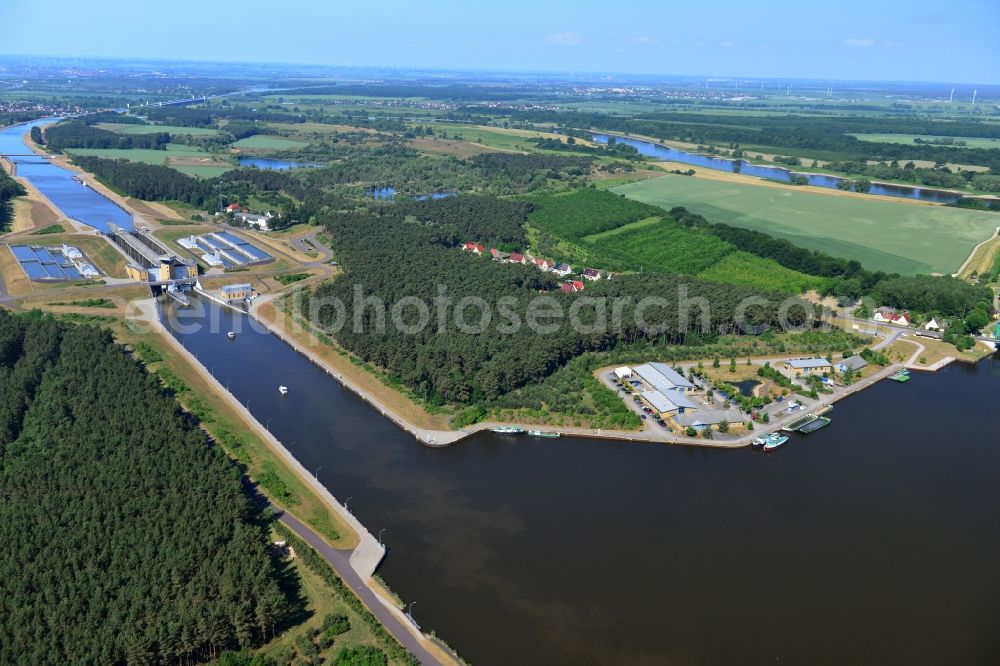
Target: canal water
(57,184)
(873,541)
(663,152)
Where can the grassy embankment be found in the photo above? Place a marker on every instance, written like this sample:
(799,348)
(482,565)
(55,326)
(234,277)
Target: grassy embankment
(882,235)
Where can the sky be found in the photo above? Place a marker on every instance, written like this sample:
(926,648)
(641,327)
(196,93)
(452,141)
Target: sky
(902,40)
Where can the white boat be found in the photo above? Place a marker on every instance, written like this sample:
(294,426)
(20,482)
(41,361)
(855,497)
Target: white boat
(507,430)
(283,390)
(759,441)
(231,335)
(774,440)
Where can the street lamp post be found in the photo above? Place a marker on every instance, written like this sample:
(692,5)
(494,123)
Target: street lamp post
(346,502)
(316,473)
(380,533)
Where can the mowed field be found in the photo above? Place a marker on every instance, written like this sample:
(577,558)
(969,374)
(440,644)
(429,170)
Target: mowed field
(263,141)
(883,235)
(970,142)
(186,159)
(125,128)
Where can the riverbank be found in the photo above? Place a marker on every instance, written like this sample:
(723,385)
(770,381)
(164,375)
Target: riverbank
(436,438)
(363,554)
(819,172)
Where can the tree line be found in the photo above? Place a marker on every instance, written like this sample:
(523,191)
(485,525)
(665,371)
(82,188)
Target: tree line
(391,258)
(9,188)
(77,134)
(128,537)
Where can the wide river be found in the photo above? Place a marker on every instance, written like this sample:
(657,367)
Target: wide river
(873,541)
(664,152)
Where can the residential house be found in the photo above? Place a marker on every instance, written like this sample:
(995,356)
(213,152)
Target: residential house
(577,285)
(932,325)
(478,249)
(891,316)
(567,288)
(591,274)
(234,208)
(544,264)
(562,269)
(468,247)
(515,258)
(853,363)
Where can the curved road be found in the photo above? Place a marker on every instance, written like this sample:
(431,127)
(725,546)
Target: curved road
(340,561)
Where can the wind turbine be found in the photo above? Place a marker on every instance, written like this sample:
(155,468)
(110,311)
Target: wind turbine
(974,97)
(951,96)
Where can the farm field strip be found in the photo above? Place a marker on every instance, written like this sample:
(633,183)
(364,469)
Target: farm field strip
(907,139)
(882,235)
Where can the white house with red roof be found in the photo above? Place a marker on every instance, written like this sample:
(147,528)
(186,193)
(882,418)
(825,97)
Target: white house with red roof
(891,316)
(515,258)
(544,264)
(591,274)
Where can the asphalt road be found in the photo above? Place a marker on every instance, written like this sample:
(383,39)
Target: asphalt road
(340,561)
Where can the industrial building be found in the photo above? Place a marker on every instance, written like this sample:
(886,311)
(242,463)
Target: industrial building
(663,378)
(222,249)
(53,264)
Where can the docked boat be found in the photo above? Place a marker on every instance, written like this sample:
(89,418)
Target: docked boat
(543,433)
(507,430)
(283,390)
(774,440)
(759,441)
(231,335)
(901,376)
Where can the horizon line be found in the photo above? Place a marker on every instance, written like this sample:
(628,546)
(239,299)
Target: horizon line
(416,68)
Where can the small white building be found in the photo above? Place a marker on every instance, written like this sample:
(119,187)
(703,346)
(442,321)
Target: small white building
(623,372)
(932,325)
(261,222)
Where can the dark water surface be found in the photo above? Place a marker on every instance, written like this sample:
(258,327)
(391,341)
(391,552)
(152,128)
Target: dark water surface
(664,152)
(274,164)
(873,541)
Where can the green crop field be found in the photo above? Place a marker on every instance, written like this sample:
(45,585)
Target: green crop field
(124,128)
(263,141)
(183,158)
(883,235)
(970,141)
(606,231)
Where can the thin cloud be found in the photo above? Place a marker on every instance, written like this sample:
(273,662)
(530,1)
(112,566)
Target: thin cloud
(565,39)
(641,39)
(859,43)
(727,45)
